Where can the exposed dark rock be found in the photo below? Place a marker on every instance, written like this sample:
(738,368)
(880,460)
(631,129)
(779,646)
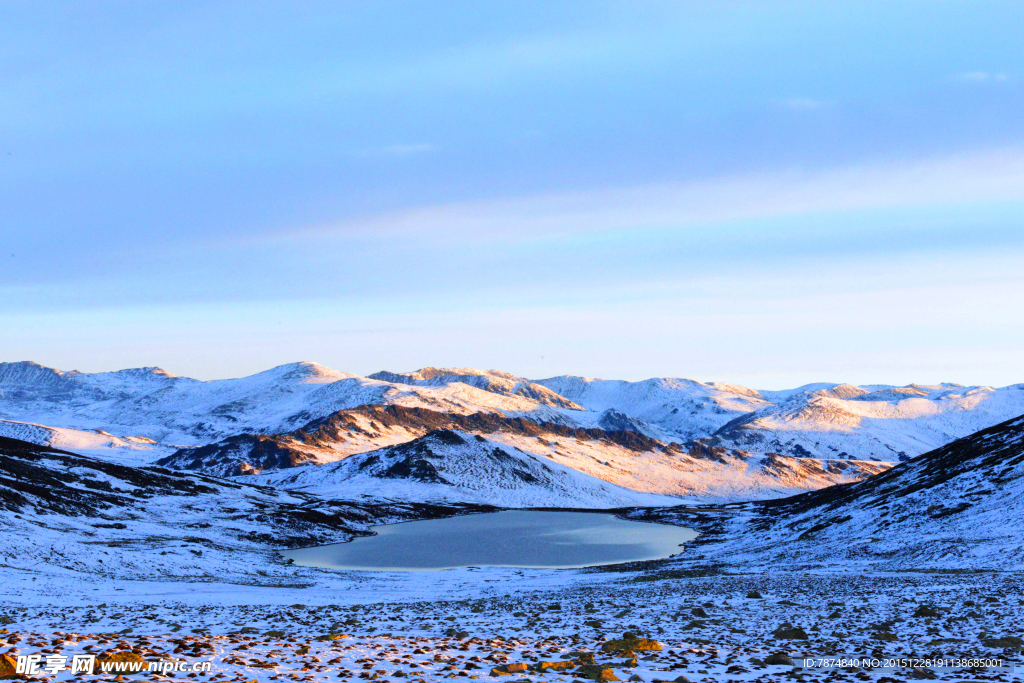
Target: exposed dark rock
(789,632)
(252,453)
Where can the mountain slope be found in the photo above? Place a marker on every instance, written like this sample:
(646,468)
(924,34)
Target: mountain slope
(623,458)
(365,428)
(129,449)
(890,423)
(958,506)
(679,408)
(451,466)
(79,516)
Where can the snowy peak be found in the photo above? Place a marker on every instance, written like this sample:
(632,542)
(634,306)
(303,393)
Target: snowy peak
(494,381)
(25,379)
(842,391)
(681,409)
(304,371)
(143,373)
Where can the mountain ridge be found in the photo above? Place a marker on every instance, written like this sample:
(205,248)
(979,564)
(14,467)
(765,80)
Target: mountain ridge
(149,414)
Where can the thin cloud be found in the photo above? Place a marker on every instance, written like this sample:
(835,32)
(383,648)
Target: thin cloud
(802,103)
(980,77)
(992,176)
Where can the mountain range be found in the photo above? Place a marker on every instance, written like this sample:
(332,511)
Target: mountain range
(662,436)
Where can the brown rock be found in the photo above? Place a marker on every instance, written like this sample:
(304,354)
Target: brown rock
(8,665)
(629,641)
(555,666)
(121,662)
(508,669)
(597,672)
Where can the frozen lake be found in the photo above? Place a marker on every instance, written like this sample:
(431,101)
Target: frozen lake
(513,538)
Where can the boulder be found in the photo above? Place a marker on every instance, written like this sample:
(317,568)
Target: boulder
(1004,642)
(629,641)
(754,595)
(924,612)
(779,658)
(515,668)
(8,665)
(789,632)
(597,672)
(121,662)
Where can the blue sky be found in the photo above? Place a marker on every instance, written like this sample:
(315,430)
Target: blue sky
(768,193)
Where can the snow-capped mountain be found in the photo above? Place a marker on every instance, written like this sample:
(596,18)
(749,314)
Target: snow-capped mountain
(641,435)
(682,409)
(449,466)
(154,404)
(956,507)
(494,381)
(890,423)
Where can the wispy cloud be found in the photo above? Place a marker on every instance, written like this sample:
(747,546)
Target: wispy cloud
(980,77)
(992,176)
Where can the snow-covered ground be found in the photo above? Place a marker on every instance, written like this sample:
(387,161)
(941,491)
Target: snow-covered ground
(126,450)
(468,623)
(101,557)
